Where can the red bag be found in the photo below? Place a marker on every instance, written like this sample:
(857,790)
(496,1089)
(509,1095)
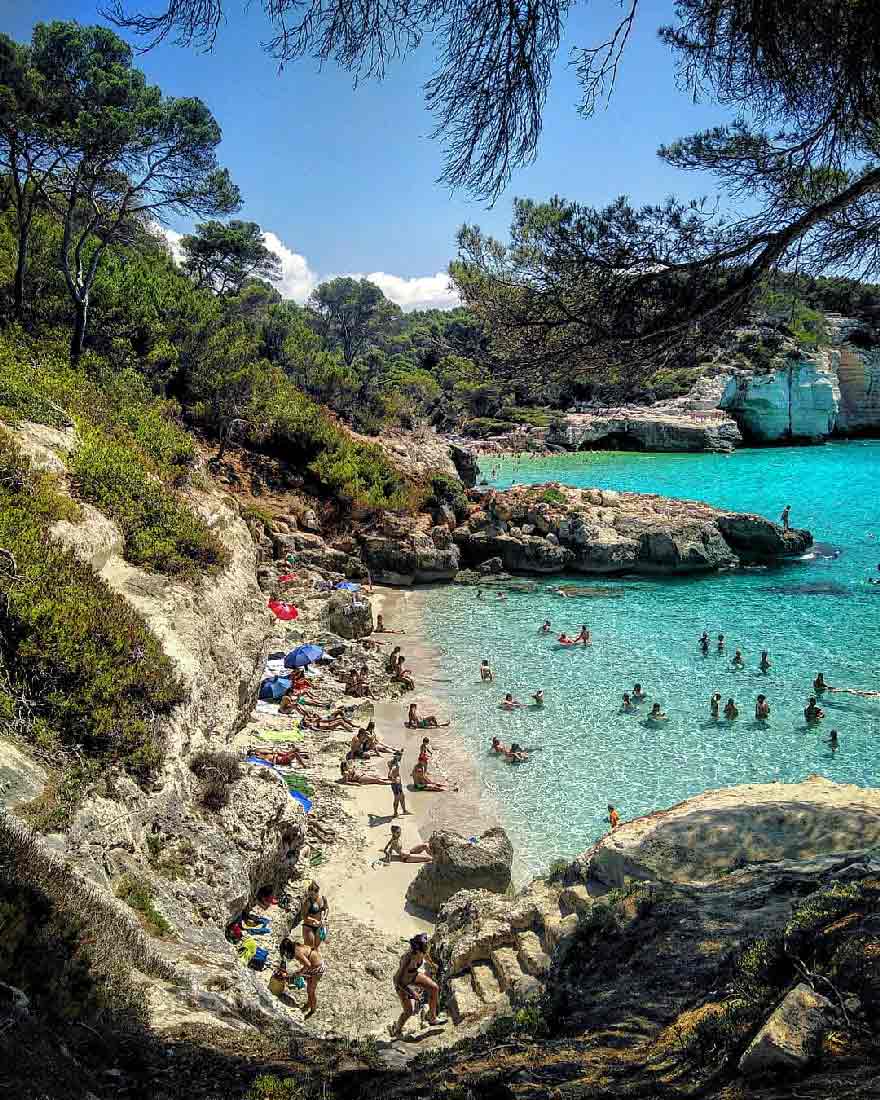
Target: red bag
(287,578)
(282,610)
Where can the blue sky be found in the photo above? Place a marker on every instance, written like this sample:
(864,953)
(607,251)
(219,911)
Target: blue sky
(344,177)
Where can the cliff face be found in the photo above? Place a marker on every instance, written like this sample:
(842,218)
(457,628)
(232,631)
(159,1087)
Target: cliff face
(800,401)
(645,429)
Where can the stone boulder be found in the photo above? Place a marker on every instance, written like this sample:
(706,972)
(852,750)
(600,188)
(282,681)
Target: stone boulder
(754,537)
(411,558)
(466,464)
(790,1039)
(348,614)
(460,865)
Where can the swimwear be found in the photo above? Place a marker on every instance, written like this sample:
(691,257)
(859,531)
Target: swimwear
(397,788)
(420,786)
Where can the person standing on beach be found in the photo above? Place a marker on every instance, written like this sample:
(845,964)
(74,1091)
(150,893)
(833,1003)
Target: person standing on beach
(786,513)
(397,785)
(613,817)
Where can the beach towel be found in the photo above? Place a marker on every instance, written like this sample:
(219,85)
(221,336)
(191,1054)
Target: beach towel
(265,706)
(295,795)
(287,578)
(276,736)
(282,610)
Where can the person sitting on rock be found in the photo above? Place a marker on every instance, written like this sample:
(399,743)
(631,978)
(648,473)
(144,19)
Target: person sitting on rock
(391,663)
(357,684)
(812,712)
(415,721)
(421,853)
(360,747)
(412,986)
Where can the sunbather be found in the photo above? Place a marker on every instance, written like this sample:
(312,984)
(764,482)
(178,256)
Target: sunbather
(349,774)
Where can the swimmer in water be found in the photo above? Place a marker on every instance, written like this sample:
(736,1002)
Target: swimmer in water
(704,641)
(564,639)
(539,697)
(715,705)
(638,696)
(720,643)
(738,660)
(509,703)
(762,708)
(730,710)
(657,715)
(545,627)
(832,740)
(812,713)
(819,684)
(486,672)
(765,661)
(516,755)
(627,706)
(585,636)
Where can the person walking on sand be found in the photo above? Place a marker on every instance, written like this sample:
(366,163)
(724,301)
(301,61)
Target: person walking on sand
(396,784)
(486,674)
(785,517)
(613,817)
(413,987)
(420,854)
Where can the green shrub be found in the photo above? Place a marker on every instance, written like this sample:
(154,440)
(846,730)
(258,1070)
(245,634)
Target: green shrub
(160,531)
(480,427)
(137,893)
(447,491)
(270,1087)
(103,681)
(552,496)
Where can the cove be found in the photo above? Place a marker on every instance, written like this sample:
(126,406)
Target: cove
(813,614)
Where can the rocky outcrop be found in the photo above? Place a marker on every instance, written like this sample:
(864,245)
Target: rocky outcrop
(719,830)
(466,465)
(797,402)
(348,614)
(644,428)
(460,864)
(552,528)
(408,557)
(790,1039)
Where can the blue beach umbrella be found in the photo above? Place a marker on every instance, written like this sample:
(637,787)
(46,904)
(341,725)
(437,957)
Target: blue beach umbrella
(303,655)
(347,586)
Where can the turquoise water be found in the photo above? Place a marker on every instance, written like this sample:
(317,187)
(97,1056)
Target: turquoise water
(589,753)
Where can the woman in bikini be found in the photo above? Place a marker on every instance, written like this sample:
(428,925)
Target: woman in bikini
(312,911)
(397,785)
(282,758)
(373,743)
(420,854)
(356,778)
(312,971)
(412,986)
(415,721)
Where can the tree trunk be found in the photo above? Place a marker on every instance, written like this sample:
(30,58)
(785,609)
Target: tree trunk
(20,271)
(79,328)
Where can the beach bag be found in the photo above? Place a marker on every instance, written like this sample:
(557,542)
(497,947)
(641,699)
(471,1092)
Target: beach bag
(248,949)
(234,932)
(259,959)
(278,982)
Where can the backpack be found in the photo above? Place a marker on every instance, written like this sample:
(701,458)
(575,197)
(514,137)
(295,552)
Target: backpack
(234,931)
(259,959)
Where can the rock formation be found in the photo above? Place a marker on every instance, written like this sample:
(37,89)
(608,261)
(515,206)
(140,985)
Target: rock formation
(551,528)
(797,402)
(790,1039)
(645,428)
(460,864)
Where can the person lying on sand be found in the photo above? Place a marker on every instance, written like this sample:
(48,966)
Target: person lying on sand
(421,782)
(282,758)
(415,721)
(394,848)
(381,628)
(350,775)
(335,721)
(509,703)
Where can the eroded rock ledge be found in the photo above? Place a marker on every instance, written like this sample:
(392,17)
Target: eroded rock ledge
(552,528)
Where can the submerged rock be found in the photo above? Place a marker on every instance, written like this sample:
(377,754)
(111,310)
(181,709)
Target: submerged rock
(461,865)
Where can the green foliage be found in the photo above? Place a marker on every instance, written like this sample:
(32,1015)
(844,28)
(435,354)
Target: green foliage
(103,677)
(270,1087)
(672,381)
(137,893)
(160,532)
(816,911)
(481,427)
(53,809)
(449,492)
(221,256)
(552,496)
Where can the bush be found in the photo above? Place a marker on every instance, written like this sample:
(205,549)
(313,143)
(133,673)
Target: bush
(100,676)
(448,491)
(481,427)
(208,764)
(137,893)
(552,496)
(161,533)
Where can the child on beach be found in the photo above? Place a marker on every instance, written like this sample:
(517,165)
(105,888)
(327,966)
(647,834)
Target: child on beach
(420,854)
(613,817)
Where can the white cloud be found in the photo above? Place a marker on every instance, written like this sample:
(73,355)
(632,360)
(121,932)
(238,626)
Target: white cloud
(419,292)
(298,280)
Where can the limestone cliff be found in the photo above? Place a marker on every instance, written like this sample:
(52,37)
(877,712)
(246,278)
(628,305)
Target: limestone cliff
(797,402)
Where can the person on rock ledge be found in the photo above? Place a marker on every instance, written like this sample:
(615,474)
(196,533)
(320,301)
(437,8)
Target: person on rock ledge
(413,987)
